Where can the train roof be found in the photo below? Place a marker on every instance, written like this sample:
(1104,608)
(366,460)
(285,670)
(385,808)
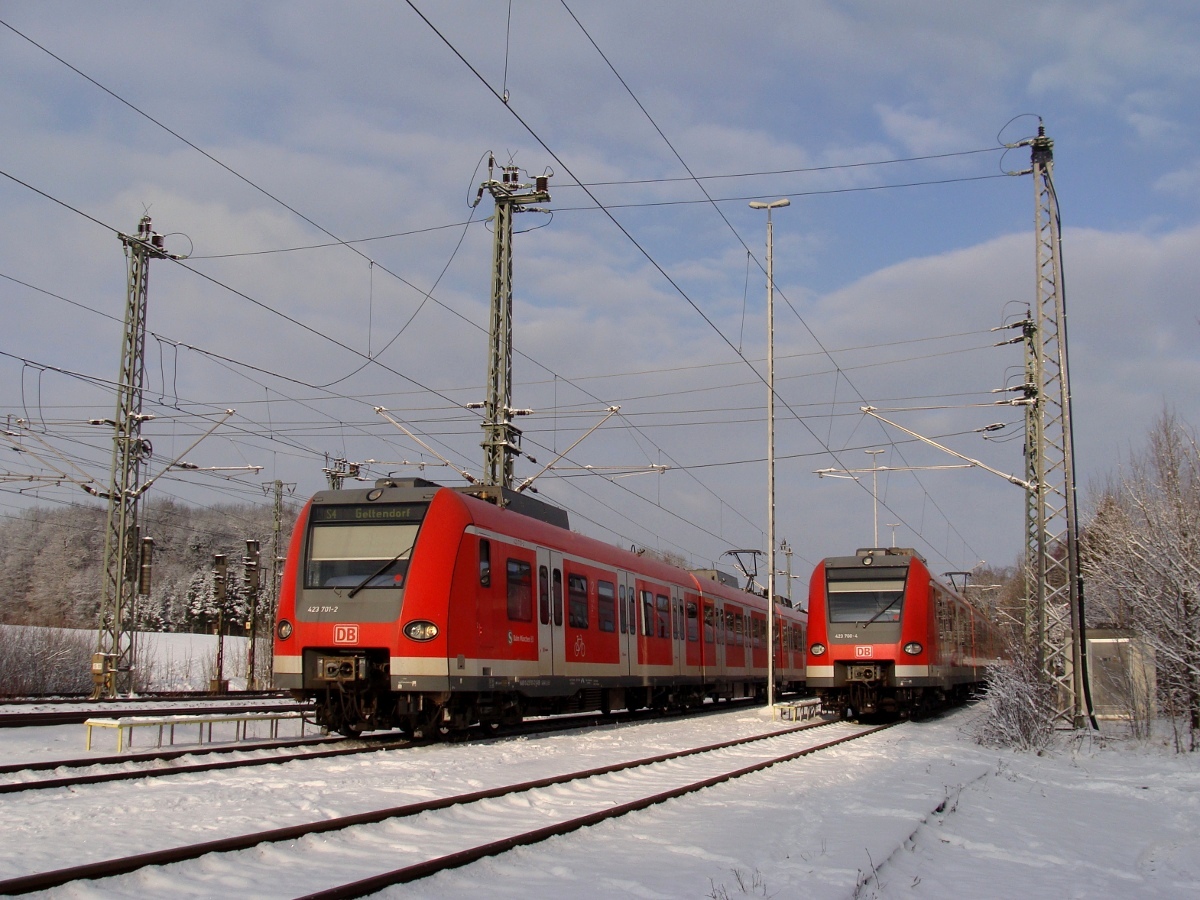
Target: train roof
(875,556)
(415,490)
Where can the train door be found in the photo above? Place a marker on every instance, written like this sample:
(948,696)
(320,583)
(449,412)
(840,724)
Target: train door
(691,633)
(551,650)
(678,628)
(627,618)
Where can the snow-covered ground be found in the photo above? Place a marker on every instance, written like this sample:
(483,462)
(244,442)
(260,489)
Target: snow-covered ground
(915,811)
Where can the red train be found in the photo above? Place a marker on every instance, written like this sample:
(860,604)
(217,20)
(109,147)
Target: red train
(430,608)
(887,637)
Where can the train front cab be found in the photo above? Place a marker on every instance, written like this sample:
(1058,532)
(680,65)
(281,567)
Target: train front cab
(357,559)
(869,632)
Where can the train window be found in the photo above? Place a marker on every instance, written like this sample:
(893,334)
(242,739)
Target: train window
(632,613)
(857,596)
(485,562)
(738,629)
(710,630)
(606,601)
(577,601)
(663,618)
(557,597)
(647,614)
(356,547)
(693,621)
(720,626)
(544,595)
(621,606)
(520,590)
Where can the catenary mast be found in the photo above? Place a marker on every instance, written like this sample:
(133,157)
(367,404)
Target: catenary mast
(1054,622)
(112,666)
(502,440)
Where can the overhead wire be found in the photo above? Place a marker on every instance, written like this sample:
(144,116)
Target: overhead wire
(338,241)
(613,219)
(710,201)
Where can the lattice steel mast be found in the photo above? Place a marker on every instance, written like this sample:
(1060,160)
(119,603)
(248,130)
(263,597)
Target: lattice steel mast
(1054,621)
(115,651)
(502,440)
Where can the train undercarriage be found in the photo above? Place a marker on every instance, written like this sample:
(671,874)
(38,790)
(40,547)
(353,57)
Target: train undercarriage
(353,694)
(868,691)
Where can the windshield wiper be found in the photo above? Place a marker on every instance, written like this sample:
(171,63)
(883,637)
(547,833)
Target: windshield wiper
(870,620)
(387,565)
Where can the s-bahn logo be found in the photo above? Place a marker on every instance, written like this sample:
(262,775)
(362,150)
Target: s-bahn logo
(345,634)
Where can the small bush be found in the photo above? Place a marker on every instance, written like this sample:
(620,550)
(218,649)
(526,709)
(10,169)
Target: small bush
(1019,709)
(40,661)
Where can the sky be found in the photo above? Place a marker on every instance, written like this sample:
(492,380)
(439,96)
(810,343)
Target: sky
(317,164)
(915,811)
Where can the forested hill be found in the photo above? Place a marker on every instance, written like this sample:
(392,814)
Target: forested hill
(51,563)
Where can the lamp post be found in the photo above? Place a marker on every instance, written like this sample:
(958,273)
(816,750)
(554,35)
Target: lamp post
(774,204)
(875,491)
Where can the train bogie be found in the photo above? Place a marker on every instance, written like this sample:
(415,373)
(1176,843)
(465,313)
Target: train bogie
(430,609)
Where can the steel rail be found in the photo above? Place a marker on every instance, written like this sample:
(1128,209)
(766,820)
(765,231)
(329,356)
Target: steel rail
(78,717)
(383,741)
(102,777)
(123,865)
(417,871)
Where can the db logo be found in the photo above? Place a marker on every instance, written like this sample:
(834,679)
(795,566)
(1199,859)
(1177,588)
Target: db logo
(345,634)
(861,652)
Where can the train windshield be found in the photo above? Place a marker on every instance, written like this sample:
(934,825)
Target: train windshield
(362,547)
(855,598)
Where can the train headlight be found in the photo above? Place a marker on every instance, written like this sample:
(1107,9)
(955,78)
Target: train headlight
(817,649)
(284,630)
(420,630)
(912,648)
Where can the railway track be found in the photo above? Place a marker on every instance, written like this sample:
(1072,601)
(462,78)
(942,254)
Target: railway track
(497,819)
(81,715)
(374,742)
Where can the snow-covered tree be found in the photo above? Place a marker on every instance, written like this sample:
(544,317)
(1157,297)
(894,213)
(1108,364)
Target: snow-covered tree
(1141,559)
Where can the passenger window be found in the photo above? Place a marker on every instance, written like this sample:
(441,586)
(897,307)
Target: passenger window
(621,604)
(520,590)
(664,616)
(710,630)
(577,601)
(485,562)
(647,614)
(606,601)
(693,621)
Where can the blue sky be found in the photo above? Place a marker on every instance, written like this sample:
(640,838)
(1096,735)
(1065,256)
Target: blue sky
(362,121)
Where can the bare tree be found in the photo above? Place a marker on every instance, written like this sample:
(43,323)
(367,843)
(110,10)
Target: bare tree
(1142,562)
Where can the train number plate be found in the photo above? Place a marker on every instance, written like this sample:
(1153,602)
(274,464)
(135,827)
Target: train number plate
(345,634)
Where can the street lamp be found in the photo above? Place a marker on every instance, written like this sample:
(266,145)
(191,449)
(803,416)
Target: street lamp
(774,204)
(875,490)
